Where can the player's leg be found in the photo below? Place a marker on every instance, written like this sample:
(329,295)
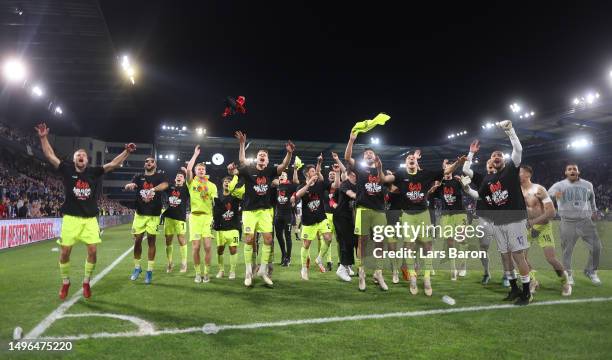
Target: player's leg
(232,242)
(195,248)
(207,257)
(363,220)
(343,231)
(169,252)
(329,259)
(484,244)
(569,236)
(305,251)
(588,232)
(264,226)
(324,237)
(459,223)
(379,221)
(150,256)
(288,240)
(249,221)
(279,223)
(137,255)
(518,244)
(220,240)
(64,266)
(183,248)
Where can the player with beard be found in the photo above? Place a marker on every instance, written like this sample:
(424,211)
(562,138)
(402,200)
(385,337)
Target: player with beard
(202,194)
(370,212)
(227,224)
(541,211)
(576,203)
(454,216)
(258,212)
(314,221)
(149,186)
(175,218)
(283,215)
(484,220)
(413,184)
(330,204)
(80,208)
(503,195)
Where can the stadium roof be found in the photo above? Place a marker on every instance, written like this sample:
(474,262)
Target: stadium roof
(544,134)
(68,48)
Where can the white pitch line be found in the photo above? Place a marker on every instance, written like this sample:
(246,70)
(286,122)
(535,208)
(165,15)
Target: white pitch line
(327,320)
(55,314)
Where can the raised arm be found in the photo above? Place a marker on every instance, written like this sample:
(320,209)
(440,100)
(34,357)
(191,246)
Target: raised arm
(43,132)
(517,148)
(465,183)
(304,189)
(191,163)
(348,153)
(242,151)
(454,166)
(119,159)
(296,179)
(336,183)
(474,147)
(290,147)
(318,167)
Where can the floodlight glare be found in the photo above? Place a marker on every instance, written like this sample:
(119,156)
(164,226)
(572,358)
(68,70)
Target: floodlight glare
(184,128)
(37,91)
(14,70)
(58,110)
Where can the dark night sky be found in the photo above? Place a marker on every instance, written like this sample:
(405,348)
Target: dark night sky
(309,71)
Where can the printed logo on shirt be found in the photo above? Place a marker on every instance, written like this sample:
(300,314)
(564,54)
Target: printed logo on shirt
(146,190)
(372,186)
(81,190)
(282,197)
(174,200)
(261,185)
(499,195)
(449,195)
(414,193)
(228,215)
(313,202)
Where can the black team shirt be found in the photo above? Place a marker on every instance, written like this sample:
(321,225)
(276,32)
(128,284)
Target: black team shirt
(331,199)
(313,210)
(80,189)
(346,204)
(226,213)
(502,193)
(414,187)
(258,183)
(177,202)
(369,190)
(283,199)
(146,182)
(450,194)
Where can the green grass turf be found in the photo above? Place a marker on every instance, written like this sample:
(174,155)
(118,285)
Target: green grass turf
(29,282)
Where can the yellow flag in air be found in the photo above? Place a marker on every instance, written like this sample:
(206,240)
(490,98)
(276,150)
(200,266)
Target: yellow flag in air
(367,125)
(298,163)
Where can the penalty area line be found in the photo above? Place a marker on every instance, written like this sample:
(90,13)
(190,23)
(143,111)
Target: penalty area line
(213,328)
(59,312)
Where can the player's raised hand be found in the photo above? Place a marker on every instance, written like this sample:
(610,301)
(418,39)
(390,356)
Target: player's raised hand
(42,129)
(196,150)
(417,154)
(232,168)
(290,146)
(311,181)
(461,159)
(240,136)
(130,186)
(475,146)
(320,158)
(353,136)
(131,147)
(184,169)
(506,125)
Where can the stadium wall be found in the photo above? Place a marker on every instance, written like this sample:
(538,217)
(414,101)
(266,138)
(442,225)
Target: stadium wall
(18,232)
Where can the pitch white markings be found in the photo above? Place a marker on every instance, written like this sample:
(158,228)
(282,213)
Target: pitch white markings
(328,319)
(57,313)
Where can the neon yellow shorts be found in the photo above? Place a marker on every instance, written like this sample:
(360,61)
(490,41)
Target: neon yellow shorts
(145,223)
(545,236)
(200,226)
(310,232)
(330,221)
(417,226)
(174,227)
(259,220)
(365,219)
(453,220)
(75,228)
(227,237)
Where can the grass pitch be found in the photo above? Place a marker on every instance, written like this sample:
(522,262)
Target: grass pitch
(29,282)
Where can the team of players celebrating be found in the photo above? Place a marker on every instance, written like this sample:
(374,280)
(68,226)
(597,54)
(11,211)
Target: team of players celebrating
(257,200)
